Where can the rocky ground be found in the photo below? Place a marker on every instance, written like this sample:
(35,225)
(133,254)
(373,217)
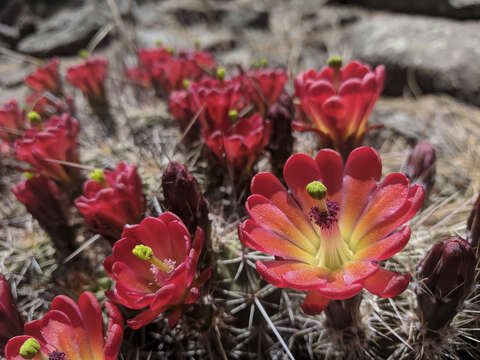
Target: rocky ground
(431,49)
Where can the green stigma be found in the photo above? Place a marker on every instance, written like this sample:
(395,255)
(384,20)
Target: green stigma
(233,115)
(34,117)
(221,73)
(335,62)
(185,83)
(158,43)
(29,349)
(29,175)
(83,53)
(143,252)
(316,190)
(98,176)
(263,62)
(196,43)
(256,64)
(170,50)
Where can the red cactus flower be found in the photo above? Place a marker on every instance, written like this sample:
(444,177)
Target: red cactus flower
(215,98)
(155,267)
(330,233)
(70,331)
(140,76)
(11,323)
(239,147)
(45,78)
(57,140)
(336,102)
(89,77)
(111,200)
(49,205)
(47,105)
(13,122)
(267,85)
(180,108)
(148,57)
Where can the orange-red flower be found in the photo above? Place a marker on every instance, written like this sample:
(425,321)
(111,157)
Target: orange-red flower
(336,102)
(155,267)
(57,140)
(111,200)
(70,331)
(333,227)
(90,77)
(45,78)
(13,122)
(11,323)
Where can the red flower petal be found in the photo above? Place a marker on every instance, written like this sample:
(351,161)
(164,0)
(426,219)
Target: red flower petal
(330,164)
(314,303)
(308,278)
(387,247)
(264,212)
(259,238)
(142,319)
(362,171)
(387,284)
(272,271)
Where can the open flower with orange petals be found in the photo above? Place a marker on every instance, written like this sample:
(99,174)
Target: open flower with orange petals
(238,147)
(46,78)
(155,267)
(111,200)
(12,123)
(332,228)
(336,102)
(55,140)
(70,331)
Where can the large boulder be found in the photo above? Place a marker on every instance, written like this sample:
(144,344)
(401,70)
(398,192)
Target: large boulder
(433,55)
(457,9)
(65,33)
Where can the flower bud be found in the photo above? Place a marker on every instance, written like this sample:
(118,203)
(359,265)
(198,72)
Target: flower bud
(473,226)
(10,322)
(280,146)
(420,166)
(184,198)
(445,279)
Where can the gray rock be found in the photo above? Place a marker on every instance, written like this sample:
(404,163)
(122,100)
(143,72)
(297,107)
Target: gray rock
(457,9)
(65,33)
(435,55)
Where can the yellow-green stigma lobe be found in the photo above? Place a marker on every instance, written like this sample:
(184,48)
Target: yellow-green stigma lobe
(143,252)
(83,54)
(316,190)
(185,83)
(335,62)
(29,349)
(29,175)
(221,72)
(34,117)
(98,176)
(233,115)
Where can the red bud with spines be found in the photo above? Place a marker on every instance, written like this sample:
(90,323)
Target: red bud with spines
(49,205)
(420,166)
(184,197)
(281,136)
(445,277)
(11,323)
(473,226)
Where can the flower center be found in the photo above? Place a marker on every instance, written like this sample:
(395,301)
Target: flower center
(325,218)
(333,251)
(57,355)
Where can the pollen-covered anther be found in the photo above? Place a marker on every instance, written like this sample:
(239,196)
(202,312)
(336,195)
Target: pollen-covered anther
(325,219)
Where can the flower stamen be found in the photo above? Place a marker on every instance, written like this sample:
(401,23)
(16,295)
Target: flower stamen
(146,253)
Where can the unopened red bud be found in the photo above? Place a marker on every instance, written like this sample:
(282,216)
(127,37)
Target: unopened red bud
(281,138)
(473,226)
(445,278)
(11,323)
(420,166)
(184,198)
